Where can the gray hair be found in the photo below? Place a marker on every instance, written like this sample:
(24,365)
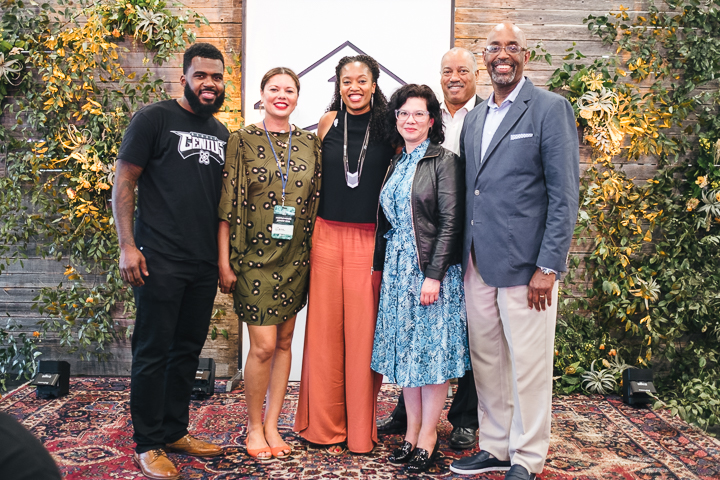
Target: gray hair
(467,52)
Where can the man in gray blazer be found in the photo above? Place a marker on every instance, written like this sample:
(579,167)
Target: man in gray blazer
(522,171)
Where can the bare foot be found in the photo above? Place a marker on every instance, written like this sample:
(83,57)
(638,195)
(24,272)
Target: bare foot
(277,444)
(256,442)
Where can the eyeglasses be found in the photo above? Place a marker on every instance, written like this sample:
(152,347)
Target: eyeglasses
(420,115)
(510,49)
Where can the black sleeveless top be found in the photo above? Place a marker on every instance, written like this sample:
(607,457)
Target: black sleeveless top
(338,202)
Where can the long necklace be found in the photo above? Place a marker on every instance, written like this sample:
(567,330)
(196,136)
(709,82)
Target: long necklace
(353,179)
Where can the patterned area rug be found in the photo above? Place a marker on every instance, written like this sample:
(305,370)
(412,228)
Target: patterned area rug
(90,435)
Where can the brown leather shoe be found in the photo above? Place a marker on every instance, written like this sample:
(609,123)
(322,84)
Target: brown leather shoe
(190,445)
(155,464)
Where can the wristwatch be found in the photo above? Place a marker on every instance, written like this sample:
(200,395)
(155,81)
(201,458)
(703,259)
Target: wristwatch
(547,271)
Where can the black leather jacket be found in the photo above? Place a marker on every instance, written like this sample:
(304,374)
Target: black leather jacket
(438,210)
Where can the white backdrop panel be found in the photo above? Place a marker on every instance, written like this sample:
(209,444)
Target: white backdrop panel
(407,38)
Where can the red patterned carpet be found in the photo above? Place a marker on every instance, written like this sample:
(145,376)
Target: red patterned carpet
(90,435)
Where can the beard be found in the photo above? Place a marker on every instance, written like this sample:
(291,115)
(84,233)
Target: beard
(503,78)
(203,109)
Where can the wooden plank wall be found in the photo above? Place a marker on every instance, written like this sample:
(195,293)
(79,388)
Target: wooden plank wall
(557,23)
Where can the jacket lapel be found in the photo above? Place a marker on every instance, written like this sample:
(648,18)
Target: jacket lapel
(517,109)
(477,134)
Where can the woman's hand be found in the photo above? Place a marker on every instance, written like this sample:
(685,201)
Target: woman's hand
(227,279)
(429,291)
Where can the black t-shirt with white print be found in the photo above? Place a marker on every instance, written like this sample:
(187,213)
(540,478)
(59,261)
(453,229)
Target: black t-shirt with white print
(182,155)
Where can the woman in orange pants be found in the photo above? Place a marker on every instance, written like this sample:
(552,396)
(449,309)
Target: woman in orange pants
(338,390)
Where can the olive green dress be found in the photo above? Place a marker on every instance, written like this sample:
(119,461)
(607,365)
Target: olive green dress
(272,274)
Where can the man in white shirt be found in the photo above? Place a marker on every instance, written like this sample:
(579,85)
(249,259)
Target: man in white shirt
(458,76)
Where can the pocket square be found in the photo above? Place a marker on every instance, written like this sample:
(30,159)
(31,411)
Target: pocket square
(518,136)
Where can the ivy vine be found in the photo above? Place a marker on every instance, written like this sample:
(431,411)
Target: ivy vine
(70,100)
(648,289)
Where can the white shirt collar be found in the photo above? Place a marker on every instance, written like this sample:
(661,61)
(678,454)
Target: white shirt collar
(469,105)
(510,98)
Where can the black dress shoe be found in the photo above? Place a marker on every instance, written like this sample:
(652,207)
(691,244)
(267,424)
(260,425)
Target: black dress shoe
(462,438)
(479,463)
(390,426)
(518,472)
(422,459)
(401,454)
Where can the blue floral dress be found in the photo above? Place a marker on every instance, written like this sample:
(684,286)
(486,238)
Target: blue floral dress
(415,345)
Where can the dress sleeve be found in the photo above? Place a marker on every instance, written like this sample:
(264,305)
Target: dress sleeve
(315,189)
(233,201)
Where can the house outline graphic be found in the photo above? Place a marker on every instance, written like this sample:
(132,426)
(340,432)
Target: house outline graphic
(312,67)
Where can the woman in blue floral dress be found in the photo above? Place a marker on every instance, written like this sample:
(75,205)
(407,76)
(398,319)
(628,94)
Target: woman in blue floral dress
(421,333)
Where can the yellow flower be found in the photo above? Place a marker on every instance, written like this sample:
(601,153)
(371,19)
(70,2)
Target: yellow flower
(602,347)
(86,184)
(103,186)
(36,334)
(90,300)
(70,193)
(586,114)
(692,204)
(702,182)
(115,33)
(612,352)
(606,363)
(569,370)
(717,197)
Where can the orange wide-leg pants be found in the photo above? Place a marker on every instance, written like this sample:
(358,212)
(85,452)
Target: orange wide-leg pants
(338,390)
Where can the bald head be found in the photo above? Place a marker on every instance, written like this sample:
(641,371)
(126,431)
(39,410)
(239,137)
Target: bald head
(460,54)
(506,28)
(458,76)
(507,59)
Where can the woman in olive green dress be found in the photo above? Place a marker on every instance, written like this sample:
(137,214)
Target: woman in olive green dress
(268,206)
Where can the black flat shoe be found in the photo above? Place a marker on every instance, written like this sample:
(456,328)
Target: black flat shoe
(422,459)
(390,426)
(402,454)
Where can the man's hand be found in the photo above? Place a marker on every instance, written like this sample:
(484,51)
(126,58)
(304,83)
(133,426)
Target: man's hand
(228,279)
(133,266)
(429,291)
(540,290)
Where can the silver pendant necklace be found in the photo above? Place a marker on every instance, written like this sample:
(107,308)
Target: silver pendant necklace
(353,179)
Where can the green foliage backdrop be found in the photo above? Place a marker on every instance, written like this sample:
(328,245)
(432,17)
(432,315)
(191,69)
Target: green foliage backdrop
(649,290)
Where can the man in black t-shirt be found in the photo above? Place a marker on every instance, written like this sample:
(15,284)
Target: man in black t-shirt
(174,152)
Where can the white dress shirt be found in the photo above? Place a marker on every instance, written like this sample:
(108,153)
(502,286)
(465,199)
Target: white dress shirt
(453,124)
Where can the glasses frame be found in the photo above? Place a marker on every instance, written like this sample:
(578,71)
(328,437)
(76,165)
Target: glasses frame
(411,114)
(501,48)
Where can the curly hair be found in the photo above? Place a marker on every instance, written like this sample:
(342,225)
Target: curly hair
(398,99)
(377,121)
(202,50)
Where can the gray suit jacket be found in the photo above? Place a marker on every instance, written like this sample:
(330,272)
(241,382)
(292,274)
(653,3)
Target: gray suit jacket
(522,200)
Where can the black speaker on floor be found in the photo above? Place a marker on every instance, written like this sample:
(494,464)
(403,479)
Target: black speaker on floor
(204,379)
(637,384)
(52,379)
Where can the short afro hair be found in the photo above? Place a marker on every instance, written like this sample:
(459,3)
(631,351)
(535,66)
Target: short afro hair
(203,50)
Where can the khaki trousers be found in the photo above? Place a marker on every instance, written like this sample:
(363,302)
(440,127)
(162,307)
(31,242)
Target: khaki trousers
(511,347)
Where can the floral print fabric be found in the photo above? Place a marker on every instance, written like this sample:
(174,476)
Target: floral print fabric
(415,345)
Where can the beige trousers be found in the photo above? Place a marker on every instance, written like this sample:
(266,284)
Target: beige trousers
(511,347)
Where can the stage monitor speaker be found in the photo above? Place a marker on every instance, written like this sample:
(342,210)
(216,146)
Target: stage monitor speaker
(637,385)
(204,379)
(52,379)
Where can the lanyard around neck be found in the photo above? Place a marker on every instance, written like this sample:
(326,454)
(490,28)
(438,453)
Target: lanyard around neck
(283,177)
